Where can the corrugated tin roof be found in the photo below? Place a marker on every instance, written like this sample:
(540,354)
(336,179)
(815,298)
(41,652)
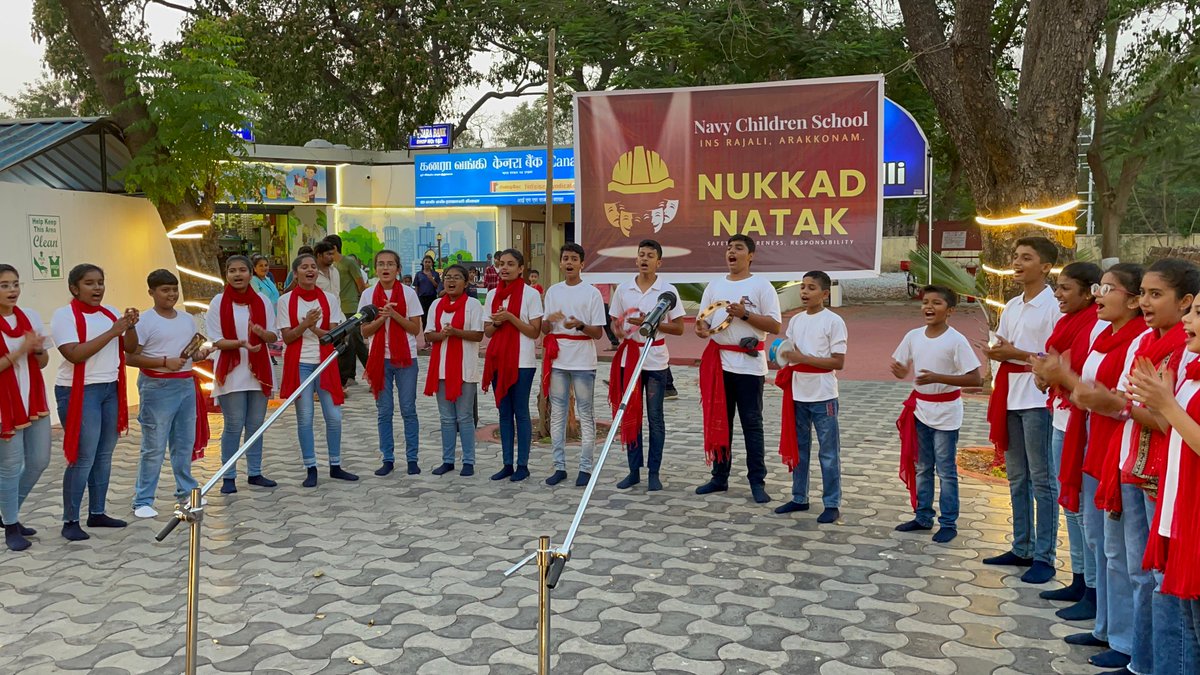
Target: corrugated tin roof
(74,153)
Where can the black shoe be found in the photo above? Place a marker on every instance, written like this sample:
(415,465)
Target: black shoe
(1085,640)
(74,532)
(520,474)
(444,468)
(1109,658)
(1038,573)
(104,520)
(1072,593)
(1010,558)
(711,487)
(653,483)
(1123,671)
(385,468)
(945,535)
(311,479)
(413,469)
(582,479)
(261,481)
(25,531)
(759,492)
(1084,610)
(632,479)
(467,470)
(790,506)
(556,478)
(670,392)
(913,526)
(503,473)
(829,515)
(14,539)
(336,471)
(228,486)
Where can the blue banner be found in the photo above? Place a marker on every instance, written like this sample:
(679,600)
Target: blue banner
(497,177)
(432,136)
(904,154)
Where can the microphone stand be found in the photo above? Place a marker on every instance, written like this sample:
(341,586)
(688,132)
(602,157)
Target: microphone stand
(192,512)
(551,561)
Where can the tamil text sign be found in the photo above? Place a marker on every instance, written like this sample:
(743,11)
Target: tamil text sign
(795,165)
(497,177)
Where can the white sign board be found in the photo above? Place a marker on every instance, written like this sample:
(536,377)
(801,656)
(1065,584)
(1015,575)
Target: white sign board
(46,244)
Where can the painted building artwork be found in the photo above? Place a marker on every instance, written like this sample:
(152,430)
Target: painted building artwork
(467,234)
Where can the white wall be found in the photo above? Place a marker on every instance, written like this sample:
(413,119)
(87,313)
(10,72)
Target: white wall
(365,185)
(123,235)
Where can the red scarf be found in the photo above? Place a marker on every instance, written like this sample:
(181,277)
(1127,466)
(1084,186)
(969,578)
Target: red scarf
(550,353)
(712,400)
(502,359)
(229,359)
(330,380)
(75,403)
(997,412)
(1165,352)
(13,414)
(1104,432)
(202,433)
(1072,334)
(393,337)
(454,346)
(620,375)
(789,448)
(1179,555)
(906,424)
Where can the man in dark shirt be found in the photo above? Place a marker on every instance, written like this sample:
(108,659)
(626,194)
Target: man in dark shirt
(351,286)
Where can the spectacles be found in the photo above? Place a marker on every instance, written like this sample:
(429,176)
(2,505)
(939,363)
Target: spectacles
(13,286)
(452,277)
(1101,290)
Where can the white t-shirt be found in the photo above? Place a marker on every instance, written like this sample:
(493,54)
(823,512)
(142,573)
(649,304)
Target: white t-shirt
(583,302)
(310,351)
(21,366)
(821,335)
(412,305)
(1185,390)
(331,283)
(1092,366)
(1060,416)
(1027,325)
(240,378)
(531,308)
(102,367)
(946,354)
(628,297)
(470,350)
(760,298)
(162,337)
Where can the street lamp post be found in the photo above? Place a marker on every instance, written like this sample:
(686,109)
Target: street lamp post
(439,243)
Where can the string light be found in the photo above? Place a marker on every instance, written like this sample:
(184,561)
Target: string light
(199,275)
(1008,273)
(1028,216)
(202,306)
(177,233)
(994,303)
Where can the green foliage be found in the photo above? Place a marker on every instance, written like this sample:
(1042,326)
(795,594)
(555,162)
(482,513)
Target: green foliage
(50,97)
(945,273)
(460,256)
(526,124)
(363,244)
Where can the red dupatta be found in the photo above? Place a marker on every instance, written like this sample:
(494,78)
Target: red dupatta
(502,359)
(229,359)
(74,423)
(13,415)
(330,380)
(453,376)
(1178,556)
(393,338)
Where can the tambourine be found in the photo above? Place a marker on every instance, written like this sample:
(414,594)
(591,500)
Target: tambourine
(778,347)
(627,327)
(193,346)
(710,310)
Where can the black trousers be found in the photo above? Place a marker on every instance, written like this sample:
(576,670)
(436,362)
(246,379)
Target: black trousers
(356,347)
(744,393)
(612,337)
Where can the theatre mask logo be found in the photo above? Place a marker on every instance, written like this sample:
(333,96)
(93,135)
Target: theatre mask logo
(641,191)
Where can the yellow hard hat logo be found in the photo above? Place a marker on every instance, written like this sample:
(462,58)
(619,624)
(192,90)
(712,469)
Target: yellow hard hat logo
(639,176)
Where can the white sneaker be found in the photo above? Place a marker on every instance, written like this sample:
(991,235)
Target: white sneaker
(145,512)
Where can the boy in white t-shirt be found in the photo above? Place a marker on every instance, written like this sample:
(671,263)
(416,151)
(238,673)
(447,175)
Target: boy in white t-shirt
(170,410)
(574,320)
(818,338)
(943,362)
(733,367)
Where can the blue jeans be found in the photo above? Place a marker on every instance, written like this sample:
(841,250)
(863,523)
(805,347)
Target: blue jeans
(1191,635)
(1094,537)
(1170,648)
(654,389)
(1081,561)
(304,420)
(583,383)
(1124,544)
(1030,480)
(244,412)
(457,418)
(23,458)
(405,382)
(936,450)
(821,415)
(97,439)
(168,418)
(514,418)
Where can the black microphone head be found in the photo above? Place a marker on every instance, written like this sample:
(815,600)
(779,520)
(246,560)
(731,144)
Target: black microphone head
(369,313)
(670,298)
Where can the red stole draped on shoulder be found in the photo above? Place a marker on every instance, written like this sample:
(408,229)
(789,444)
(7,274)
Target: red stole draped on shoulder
(712,400)
(997,412)
(230,359)
(620,374)
(74,421)
(1179,555)
(1144,468)
(789,449)
(457,309)
(502,358)
(330,380)
(13,415)
(389,335)
(1072,336)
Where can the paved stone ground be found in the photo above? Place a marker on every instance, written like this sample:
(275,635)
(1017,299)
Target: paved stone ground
(403,574)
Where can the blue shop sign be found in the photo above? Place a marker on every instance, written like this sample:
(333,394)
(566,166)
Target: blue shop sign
(432,136)
(499,178)
(904,154)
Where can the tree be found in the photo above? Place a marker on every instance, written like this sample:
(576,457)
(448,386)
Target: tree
(526,125)
(363,244)
(50,97)
(176,106)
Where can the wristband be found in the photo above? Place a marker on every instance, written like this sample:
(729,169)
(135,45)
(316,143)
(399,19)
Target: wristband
(1126,412)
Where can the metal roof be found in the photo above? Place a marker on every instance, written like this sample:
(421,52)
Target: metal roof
(70,153)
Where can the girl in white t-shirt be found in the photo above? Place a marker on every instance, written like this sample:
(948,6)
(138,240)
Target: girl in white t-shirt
(24,412)
(455,329)
(90,392)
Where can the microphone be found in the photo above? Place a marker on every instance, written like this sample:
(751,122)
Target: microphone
(365,315)
(666,302)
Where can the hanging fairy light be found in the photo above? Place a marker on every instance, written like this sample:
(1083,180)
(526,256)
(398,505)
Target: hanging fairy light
(1036,217)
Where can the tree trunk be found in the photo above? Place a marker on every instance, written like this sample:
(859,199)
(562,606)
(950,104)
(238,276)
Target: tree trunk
(201,255)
